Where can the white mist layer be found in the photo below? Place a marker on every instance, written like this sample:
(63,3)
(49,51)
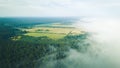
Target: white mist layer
(106,32)
(104,49)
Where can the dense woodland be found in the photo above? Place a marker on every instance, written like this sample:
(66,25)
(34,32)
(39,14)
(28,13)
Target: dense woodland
(31,52)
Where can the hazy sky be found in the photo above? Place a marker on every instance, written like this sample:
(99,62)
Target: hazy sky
(94,8)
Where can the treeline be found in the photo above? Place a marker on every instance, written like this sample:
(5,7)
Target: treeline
(29,52)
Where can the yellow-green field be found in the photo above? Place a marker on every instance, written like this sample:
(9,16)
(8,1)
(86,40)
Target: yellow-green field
(53,36)
(51,31)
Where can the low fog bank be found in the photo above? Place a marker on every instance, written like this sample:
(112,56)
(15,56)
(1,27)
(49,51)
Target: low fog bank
(105,32)
(103,52)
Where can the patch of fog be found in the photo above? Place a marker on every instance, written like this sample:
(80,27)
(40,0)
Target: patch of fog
(107,35)
(103,51)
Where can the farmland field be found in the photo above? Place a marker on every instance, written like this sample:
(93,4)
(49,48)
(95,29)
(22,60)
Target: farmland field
(53,31)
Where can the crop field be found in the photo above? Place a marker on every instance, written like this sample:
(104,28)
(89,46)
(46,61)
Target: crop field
(54,31)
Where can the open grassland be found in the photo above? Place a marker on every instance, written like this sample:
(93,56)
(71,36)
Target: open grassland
(54,31)
(50,35)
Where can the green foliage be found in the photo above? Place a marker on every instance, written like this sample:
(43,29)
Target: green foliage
(28,50)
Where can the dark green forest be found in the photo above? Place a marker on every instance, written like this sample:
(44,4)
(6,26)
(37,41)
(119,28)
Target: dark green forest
(31,52)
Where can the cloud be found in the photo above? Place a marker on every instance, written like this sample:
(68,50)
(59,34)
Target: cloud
(95,8)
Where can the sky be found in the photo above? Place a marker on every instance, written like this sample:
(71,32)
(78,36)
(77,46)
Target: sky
(60,8)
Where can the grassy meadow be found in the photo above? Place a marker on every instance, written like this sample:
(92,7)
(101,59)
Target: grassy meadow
(53,31)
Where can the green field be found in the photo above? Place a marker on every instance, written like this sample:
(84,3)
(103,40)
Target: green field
(54,31)
(53,36)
